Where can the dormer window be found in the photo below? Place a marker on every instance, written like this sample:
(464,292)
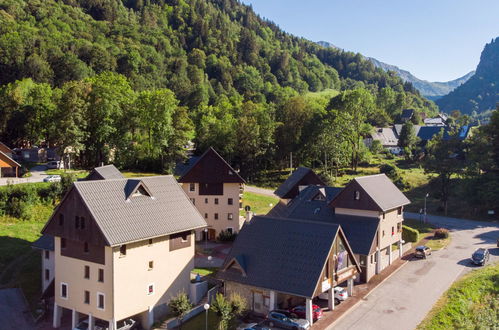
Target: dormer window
(140,192)
(356,195)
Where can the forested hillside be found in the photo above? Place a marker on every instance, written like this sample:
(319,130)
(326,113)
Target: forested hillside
(481,92)
(143,77)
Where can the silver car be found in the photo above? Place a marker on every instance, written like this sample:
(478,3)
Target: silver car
(52,178)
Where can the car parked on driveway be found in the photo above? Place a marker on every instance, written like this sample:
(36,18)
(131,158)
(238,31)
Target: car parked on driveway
(422,251)
(252,326)
(279,319)
(127,324)
(52,178)
(480,256)
(301,312)
(340,294)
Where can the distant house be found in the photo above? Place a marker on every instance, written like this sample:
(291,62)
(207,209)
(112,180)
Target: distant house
(8,166)
(388,138)
(216,189)
(426,133)
(122,248)
(406,115)
(300,178)
(279,263)
(106,172)
(36,155)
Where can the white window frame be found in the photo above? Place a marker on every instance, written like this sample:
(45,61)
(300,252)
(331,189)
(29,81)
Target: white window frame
(192,187)
(230,216)
(67,290)
(153,290)
(104,300)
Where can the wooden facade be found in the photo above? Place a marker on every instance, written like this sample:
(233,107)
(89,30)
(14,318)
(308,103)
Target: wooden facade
(353,196)
(180,240)
(309,179)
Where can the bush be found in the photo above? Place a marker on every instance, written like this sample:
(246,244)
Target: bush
(409,234)
(226,236)
(180,305)
(441,233)
(394,174)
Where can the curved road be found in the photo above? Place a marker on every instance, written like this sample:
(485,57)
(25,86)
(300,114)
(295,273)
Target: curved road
(403,300)
(37,175)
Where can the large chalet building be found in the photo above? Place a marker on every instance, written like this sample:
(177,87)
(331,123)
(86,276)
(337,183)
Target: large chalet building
(121,247)
(216,189)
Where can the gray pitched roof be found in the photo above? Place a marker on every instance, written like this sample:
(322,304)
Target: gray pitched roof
(106,172)
(359,231)
(45,242)
(124,217)
(386,135)
(382,190)
(284,255)
(293,180)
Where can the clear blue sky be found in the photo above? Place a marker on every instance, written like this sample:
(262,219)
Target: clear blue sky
(436,40)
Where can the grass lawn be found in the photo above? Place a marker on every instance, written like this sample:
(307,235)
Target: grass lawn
(19,263)
(204,271)
(198,322)
(471,303)
(260,204)
(129,174)
(426,231)
(78,173)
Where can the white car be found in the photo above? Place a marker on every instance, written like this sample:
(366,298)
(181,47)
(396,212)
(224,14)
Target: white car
(55,165)
(52,178)
(340,294)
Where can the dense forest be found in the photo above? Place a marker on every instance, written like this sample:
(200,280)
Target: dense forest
(135,80)
(481,92)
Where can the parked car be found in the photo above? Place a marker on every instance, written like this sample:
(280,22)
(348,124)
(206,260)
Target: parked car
(301,312)
(55,165)
(52,178)
(422,251)
(252,326)
(480,256)
(127,324)
(340,294)
(279,319)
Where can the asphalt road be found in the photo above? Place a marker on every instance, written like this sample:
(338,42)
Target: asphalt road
(37,175)
(404,299)
(261,191)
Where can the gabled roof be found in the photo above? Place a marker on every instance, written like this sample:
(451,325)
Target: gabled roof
(5,149)
(284,255)
(380,190)
(407,114)
(124,217)
(386,135)
(45,242)
(9,160)
(302,176)
(104,173)
(360,231)
(210,167)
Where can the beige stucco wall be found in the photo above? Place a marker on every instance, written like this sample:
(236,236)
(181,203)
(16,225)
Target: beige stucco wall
(170,275)
(71,271)
(246,292)
(359,213)
(50,265)
(391,219)
(231,190)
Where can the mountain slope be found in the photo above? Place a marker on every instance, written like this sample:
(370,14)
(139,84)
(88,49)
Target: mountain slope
(431,90)
(481,92)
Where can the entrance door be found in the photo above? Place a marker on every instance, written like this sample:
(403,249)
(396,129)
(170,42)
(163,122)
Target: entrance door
(212,234)
(258,303)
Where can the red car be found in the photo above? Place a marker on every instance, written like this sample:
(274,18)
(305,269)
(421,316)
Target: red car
(300,311)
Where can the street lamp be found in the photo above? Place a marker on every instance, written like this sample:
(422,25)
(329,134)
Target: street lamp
(206,308)
(425,197)
(205,239)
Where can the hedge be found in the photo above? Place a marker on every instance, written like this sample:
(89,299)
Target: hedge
(410,234)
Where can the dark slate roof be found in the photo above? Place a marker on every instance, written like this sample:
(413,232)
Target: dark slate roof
(407,114)
(284,255)
(210,167)
(45,242)
(183,167)
(106,172)
(359,231)
(382,190)
(294,180)
(426,133)
(124,217)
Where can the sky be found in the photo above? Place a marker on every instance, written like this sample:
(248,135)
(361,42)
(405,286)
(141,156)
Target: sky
(436,40)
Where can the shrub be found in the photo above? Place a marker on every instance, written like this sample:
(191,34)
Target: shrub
(441,233)
(226,236)
(394,174)
(239,304)
(409,234)
(180,305)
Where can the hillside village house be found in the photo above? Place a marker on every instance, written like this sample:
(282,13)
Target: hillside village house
(8,166)
(369,210)
(216,189)
(122,248)
(300,178)
(280,263)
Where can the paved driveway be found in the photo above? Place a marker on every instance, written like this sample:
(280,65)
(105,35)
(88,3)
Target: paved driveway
(404,299)
(37,175)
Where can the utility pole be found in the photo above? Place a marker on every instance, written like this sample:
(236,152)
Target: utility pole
(291,162)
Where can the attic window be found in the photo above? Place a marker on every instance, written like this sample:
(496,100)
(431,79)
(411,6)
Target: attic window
(140,192)
(61,219)
(319,197)
(356,195)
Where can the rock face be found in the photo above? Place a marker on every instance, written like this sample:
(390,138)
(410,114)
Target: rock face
(481,92)
(431,90)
